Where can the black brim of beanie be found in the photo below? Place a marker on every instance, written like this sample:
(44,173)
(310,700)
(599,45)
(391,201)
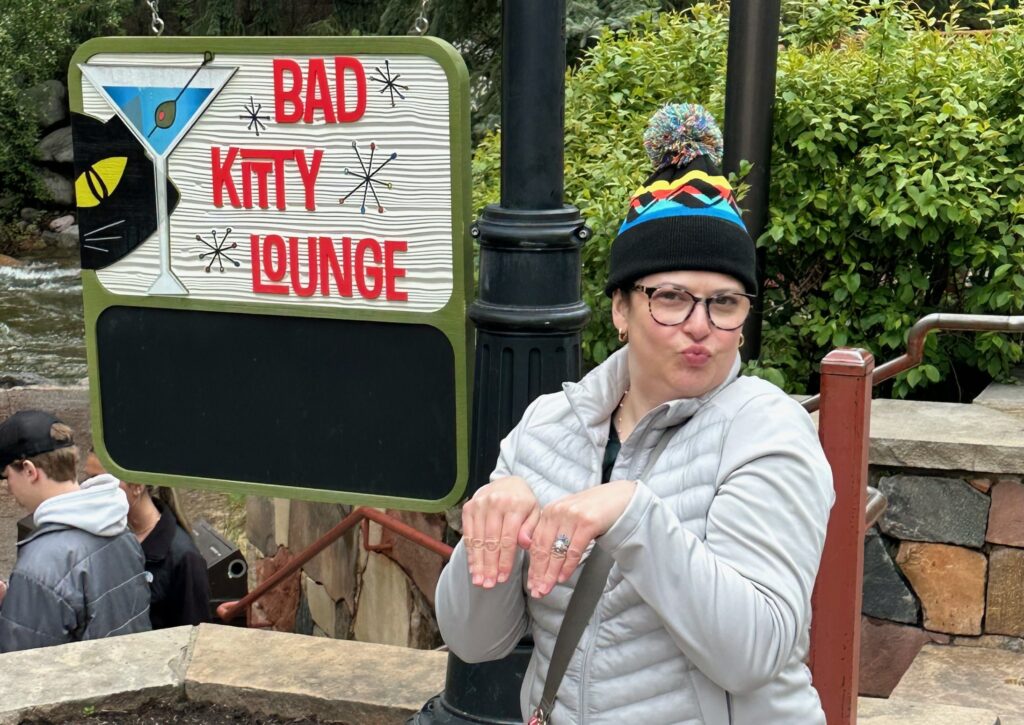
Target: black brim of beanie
(682,243)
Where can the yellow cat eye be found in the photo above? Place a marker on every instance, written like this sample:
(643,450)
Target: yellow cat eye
(97,183)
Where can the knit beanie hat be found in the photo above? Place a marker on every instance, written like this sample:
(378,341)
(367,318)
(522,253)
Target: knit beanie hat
(684,217)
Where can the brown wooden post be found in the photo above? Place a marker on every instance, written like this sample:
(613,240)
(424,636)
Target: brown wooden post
(843,424)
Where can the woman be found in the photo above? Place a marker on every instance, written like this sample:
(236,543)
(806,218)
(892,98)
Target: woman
(179,589)
(706,611)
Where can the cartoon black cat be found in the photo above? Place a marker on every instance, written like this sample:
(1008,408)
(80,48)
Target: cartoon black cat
(114,190)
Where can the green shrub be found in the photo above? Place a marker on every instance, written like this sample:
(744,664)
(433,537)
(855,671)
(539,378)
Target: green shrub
(895,183)
(37,38)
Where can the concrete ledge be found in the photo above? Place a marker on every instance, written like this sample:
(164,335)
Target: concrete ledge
(1004,397)
(946,436)
(967,677)
(261,672)
(293,675)
(296,676)
(871,711)
(121,672)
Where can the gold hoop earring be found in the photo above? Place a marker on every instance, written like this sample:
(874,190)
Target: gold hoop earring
(623,335)
(741,340)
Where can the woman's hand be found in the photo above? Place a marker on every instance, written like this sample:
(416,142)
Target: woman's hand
(581,518)
(492,522)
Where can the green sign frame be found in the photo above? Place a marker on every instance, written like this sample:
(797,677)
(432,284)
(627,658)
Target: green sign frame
(451,319)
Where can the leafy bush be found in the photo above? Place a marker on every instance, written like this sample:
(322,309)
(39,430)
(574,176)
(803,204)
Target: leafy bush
(895,183)
(37,39)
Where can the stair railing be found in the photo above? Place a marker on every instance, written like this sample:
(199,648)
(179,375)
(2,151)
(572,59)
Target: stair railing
(844,405)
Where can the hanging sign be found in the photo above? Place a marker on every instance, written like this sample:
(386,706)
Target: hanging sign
(275,268)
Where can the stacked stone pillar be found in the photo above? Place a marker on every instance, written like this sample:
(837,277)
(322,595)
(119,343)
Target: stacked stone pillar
(946,565)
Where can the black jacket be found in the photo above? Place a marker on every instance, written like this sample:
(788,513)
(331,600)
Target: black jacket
(180,589)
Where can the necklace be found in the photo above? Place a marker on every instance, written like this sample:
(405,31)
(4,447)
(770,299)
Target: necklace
(618,417)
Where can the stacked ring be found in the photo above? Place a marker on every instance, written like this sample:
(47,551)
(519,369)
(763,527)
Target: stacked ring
(561,546)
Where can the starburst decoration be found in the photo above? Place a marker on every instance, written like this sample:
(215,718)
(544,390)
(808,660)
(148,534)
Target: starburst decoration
(368,177)
(252,114)
(218,250)
(388,82)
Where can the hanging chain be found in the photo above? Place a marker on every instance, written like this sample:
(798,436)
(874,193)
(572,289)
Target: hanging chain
(419,27)
(157,23)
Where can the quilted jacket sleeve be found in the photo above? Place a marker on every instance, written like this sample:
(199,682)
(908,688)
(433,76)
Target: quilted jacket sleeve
(738,603)
(478,624)
(33,616)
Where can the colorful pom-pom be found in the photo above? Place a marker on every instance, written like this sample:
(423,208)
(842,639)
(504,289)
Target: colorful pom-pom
(680,132)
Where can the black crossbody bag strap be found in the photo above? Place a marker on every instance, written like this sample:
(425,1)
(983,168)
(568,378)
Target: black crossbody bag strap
(582,604)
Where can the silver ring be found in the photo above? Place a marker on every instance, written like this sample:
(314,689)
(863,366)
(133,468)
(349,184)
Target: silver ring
(560,547)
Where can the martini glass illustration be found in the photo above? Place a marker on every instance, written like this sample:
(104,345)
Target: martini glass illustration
(159,104)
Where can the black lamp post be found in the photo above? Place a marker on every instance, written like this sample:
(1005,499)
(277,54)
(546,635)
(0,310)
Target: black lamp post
(749,104)
(529,313)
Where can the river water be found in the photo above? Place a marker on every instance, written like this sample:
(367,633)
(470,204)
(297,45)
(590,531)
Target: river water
(42,335)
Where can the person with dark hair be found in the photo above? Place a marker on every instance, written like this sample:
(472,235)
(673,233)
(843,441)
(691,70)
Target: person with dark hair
(684,504)
(180,590)
(80,574)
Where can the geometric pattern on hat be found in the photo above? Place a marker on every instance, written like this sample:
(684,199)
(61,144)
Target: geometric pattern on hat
(695,193)
(692,220)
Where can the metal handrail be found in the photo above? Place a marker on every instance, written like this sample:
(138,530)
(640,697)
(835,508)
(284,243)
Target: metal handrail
(229,610)
(915,342)
(877,503)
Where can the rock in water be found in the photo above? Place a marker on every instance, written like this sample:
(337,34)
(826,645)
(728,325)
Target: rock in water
(62,223)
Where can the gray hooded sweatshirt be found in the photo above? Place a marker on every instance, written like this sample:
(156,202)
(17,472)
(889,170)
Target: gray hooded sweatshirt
(80,575)
(704,619)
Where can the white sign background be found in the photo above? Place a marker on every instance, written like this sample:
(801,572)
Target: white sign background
(418,206)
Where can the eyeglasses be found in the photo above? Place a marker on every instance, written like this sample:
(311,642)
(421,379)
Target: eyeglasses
(671,306)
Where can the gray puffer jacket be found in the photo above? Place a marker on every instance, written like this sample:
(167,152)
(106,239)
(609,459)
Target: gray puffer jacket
(706,613)
(80,575)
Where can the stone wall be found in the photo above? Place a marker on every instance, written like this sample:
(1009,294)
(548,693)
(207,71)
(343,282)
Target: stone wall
(383,595)
(945,563)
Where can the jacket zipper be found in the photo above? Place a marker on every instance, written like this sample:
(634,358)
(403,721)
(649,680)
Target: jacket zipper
(728,705)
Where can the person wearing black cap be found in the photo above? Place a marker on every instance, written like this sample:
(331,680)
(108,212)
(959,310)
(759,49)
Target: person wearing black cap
(703,496)
(80,575)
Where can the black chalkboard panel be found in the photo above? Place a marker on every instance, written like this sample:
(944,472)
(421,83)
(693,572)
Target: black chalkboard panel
(289,401)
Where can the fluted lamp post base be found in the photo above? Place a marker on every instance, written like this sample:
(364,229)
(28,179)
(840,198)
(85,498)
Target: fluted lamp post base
(487,692)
